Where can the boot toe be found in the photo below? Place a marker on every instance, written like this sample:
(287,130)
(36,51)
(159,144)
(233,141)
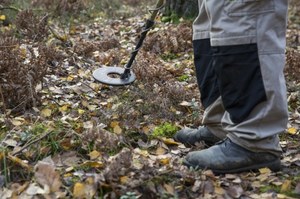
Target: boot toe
(227,157)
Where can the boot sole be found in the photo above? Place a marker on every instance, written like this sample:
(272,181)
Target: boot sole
(273,166)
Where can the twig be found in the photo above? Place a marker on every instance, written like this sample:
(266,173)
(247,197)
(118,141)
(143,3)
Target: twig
(94,90)
(31,143)
(19,162)
(10,8)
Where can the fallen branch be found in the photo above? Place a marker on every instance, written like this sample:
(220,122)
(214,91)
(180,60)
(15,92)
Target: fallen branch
(31,143)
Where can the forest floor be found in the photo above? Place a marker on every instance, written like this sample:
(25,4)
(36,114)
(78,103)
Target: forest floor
(90,140)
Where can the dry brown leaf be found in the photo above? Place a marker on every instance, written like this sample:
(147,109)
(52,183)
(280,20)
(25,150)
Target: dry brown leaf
(235,191)
(46,175)
(160,151)
(169,189)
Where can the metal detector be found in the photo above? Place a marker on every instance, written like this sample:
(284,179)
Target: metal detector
(118,76)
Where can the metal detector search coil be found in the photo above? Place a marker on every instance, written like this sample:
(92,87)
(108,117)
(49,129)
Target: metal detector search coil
(126,76)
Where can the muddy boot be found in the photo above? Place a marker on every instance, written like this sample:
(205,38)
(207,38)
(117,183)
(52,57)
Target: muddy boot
(228,157)
(190,137)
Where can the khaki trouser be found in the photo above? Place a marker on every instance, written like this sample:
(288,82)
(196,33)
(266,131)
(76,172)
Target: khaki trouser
(239,56)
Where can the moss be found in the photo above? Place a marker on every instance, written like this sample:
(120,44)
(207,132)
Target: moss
(164,130)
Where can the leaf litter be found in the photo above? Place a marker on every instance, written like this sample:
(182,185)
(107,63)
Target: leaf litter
(88,140)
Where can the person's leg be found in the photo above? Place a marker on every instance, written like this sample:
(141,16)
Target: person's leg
(248,42)
(211,131)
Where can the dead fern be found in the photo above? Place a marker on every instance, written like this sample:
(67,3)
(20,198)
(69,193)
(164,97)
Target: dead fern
(31,26)
(102,139)
(87,48)
(293,64)
(22,68)
(62,7)
(173,40)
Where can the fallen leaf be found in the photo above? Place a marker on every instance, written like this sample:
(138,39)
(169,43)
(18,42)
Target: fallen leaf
(10,142)
(46,112)
(117,130)
(6,194)
(292,131)
(47,176)
(81,111)
(79,190)
(286,186)
(235,191)
(94,155)
(265,171)
(185,103)
(169,189)
(17,122)
(124,179)
(64,108)
(34,189)
(92,164)
(165,161)
(160,151)
(2,17)
(169,141)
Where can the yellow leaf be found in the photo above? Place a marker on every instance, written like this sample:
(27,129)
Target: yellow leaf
(70,78)
(265,171)
(79,190)
(23,52)
(124,179)
(46,112)
(292,130)
(164,161)
(63,108)
(286,186)
(80,111)
(2,17)
(113,124)
(94,155)
(92,164)
(169,141)
(117,129)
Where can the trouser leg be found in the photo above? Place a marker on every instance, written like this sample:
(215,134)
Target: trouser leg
(206,76)
(248,41)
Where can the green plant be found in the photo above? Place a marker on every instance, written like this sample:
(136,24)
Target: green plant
(129,195)
(183,78)
(165,130)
